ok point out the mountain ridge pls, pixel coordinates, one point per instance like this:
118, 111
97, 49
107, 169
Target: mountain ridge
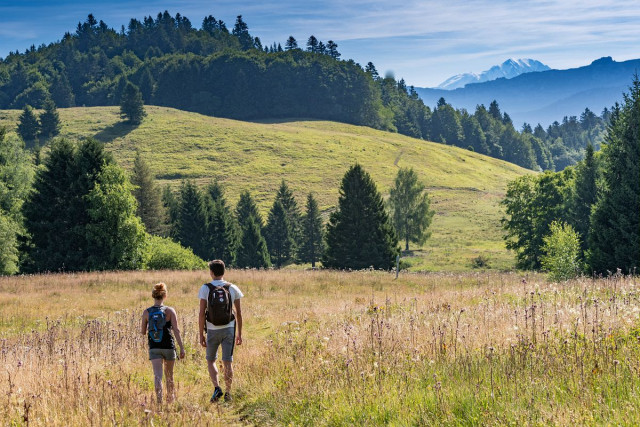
508, 69
538, 97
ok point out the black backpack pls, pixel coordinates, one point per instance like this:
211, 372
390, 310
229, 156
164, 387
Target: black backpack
219, 305
157, 321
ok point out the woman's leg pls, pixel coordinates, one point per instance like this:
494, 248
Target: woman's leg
157, 377
168, 372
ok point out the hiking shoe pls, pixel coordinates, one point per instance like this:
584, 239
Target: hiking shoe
217, 394
227, 397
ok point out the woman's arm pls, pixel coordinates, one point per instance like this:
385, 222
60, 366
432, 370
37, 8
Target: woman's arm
145, 321
176, 330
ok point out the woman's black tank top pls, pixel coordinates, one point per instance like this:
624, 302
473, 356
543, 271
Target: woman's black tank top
167, 338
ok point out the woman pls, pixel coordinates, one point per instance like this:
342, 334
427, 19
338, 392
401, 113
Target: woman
157, 323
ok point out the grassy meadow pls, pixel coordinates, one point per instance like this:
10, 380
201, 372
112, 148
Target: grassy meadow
329, 348
465, 187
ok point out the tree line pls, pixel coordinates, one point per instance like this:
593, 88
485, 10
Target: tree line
215, 71
78, 210
588, 216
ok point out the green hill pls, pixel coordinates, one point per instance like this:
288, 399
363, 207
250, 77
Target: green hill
465, 187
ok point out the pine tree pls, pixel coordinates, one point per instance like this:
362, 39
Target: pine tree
221, 227
359, 233
585, 195
332, 49
47, 211
80, 214
192, 219
49, 120
278, 235
28, 126
61, 91
131, 104
252, 251
241, 31
614, 238
290, 44
312, 245
409, 205
171, 206
292, 211
147, 195
312, 44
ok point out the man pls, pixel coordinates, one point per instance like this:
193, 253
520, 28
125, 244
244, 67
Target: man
224, 335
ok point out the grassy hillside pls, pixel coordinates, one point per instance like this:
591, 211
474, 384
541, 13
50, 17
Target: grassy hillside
465, 187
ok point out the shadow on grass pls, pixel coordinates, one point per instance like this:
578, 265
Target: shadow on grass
116, 130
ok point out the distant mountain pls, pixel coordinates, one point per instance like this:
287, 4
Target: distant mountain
546, 96
508, 69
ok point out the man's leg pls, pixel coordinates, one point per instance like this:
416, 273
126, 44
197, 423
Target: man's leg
213, 372
228, 375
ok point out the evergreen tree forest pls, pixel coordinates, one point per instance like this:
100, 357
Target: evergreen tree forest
224, 72
598, 199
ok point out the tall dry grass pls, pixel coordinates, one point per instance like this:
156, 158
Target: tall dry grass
329, 348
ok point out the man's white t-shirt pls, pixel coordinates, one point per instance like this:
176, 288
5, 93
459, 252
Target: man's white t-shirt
235, 292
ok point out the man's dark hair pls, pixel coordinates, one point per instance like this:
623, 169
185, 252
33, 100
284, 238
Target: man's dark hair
217, 267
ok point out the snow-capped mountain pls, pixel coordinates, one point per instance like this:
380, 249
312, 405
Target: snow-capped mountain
508, 69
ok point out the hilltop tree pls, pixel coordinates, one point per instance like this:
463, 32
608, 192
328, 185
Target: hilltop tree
241, 31
614, 239
371, 70
312, 245
291, 44
332, 50
28, 126
409, 205
252, 251
49, 120
359, 233
131, 104
312, 44
148, 196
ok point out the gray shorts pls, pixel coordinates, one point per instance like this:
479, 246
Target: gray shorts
221, 337
162, 353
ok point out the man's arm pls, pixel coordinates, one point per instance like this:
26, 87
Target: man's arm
236, 304
201, 322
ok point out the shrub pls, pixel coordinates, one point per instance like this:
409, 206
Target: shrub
561, 252
481, 261
165, 254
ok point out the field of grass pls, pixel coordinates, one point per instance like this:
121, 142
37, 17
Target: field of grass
466, 187
329, 348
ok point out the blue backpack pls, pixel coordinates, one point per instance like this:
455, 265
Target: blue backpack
157, 321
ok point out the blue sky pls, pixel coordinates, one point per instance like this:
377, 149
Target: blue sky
423, 42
